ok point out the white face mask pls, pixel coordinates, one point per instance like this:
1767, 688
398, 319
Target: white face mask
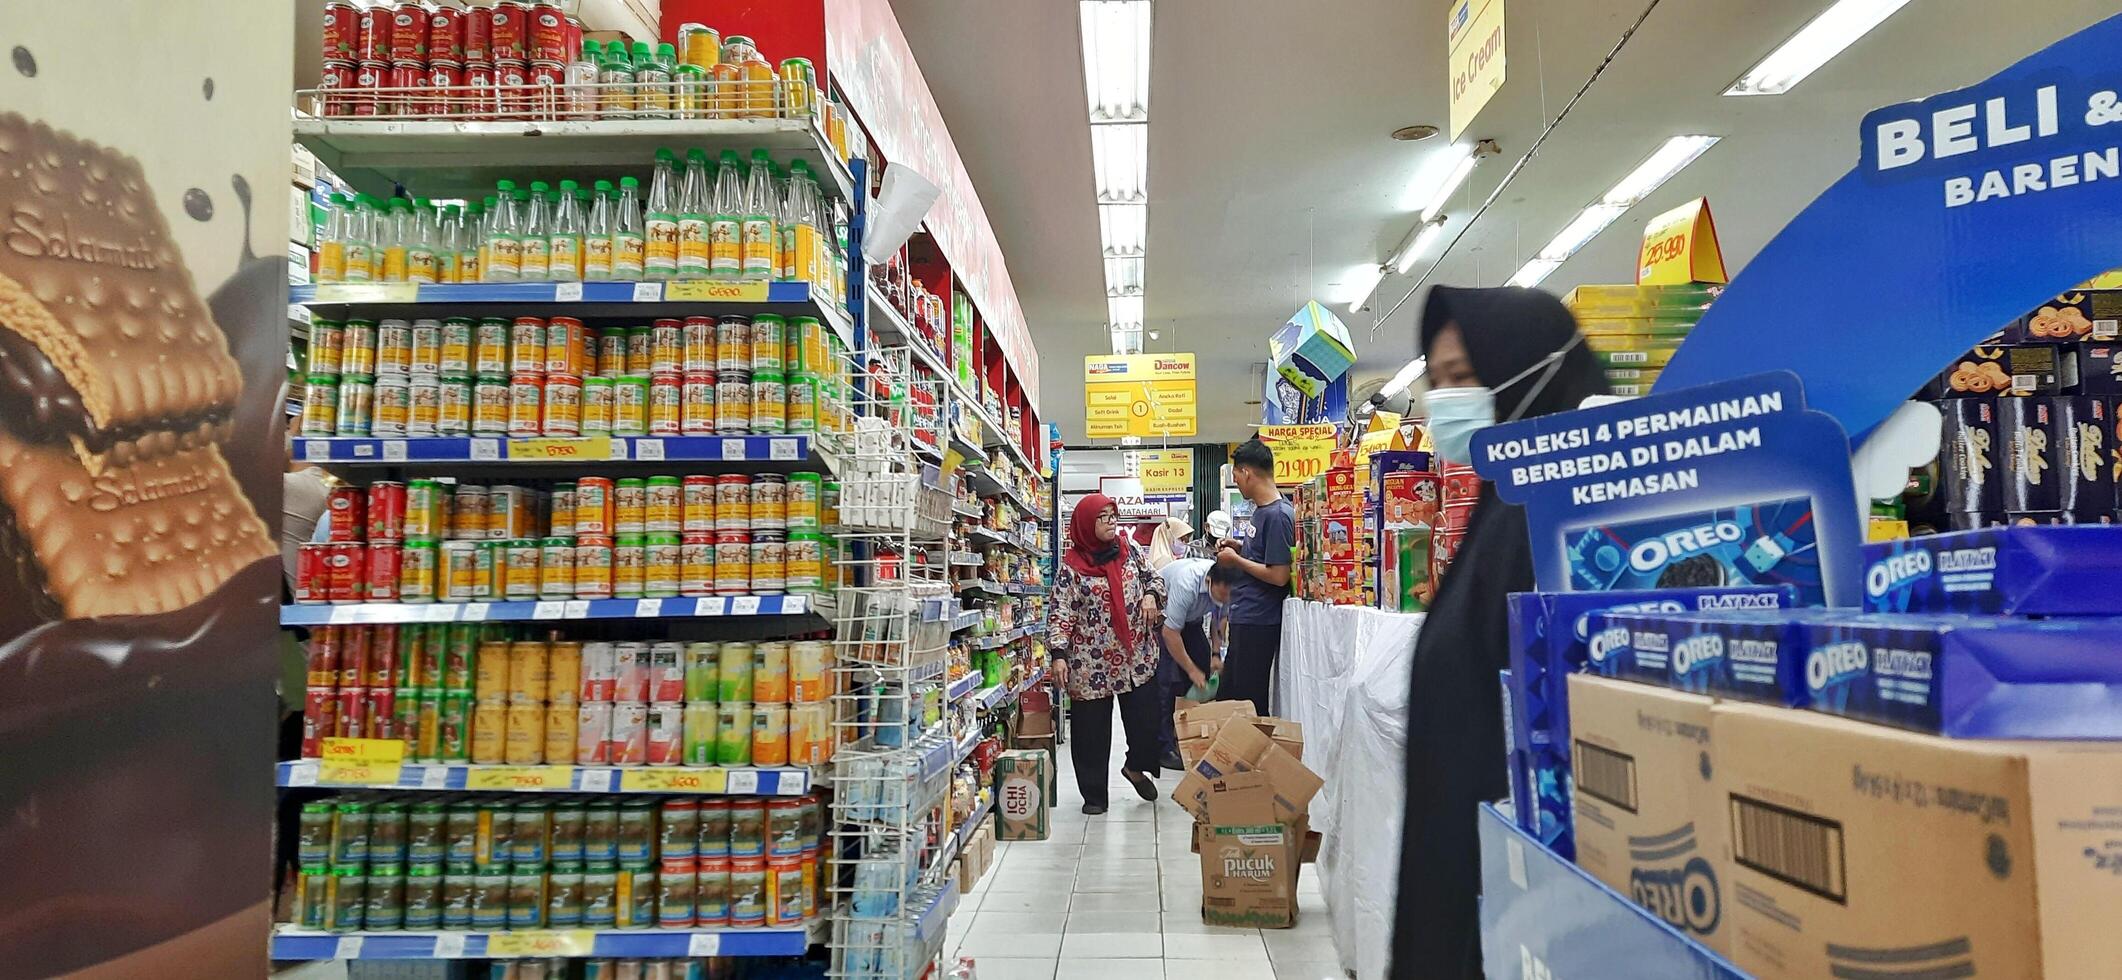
1455, 414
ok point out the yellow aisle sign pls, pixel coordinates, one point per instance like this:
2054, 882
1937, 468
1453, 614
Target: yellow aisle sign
1301, 451
1473, 42
1138, 395
1680, 246
1165, 470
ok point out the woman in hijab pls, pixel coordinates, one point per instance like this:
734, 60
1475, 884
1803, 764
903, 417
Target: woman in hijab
1495, 355
1169, 543
1102, 628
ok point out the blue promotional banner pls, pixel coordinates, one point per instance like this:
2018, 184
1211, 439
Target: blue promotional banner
1965, 211
1736, 483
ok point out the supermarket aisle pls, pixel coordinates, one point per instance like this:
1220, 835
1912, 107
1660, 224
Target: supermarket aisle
1118, 897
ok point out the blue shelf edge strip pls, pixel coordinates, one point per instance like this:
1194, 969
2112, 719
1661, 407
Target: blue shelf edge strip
496, 448
658, 943
606, 291
452, 776
963, 686
542, 610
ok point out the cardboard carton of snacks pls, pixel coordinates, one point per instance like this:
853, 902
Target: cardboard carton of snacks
1023, 797
1205, 720
1242, 748
1643, 761
1855, 847
1249, 858
2019, 571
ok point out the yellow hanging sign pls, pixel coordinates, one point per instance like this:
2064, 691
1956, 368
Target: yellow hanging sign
1680, 246
1165, 470
1138, 395
1473, 44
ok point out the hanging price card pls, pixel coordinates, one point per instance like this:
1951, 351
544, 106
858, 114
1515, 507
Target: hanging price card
360, 761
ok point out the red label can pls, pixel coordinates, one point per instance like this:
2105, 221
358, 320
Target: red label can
383, 653
548, 34
445, 83
323, 656
353, 656
368, 79
342, 30
332, 85
409, 32
312, 573
512, 81
402, 89
386, 511
445, 34
375, 40
346, 568
347, 507
478, 35
320, 719
352, 716
509, 37
383, 566
480, 100
546, 80
380, 704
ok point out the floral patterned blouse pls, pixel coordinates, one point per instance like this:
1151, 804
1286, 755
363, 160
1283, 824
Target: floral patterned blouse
1080, 629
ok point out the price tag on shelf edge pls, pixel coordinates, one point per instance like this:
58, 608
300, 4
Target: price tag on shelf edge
596, 780
781, 449
648, 292
567, 292
575, 609
449, 945
543, 942
648, 449
434, 777
394, 450
316, 451
733, 449
475, 612
486, 450
548, 609
439, 613
349, 948
704, 944
648, 608
302, 773
743, 781
744, 605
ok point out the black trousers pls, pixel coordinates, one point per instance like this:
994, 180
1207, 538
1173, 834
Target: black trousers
1172, 680
1249, 667
1090, 741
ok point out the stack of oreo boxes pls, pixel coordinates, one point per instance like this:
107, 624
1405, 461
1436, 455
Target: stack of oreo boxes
1927, 786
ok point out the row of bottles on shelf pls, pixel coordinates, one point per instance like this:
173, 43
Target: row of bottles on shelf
743, 222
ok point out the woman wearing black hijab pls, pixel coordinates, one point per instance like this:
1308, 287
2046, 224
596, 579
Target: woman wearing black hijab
1517, 351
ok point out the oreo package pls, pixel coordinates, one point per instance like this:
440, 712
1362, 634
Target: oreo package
2019, 571
1740, 655
1768, 543
1968, 677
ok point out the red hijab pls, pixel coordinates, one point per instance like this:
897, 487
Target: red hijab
1091, 558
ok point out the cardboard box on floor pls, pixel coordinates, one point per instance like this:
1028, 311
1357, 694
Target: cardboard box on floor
1241, 745
1023, 794
1858, 849
1645, 812
1249, 857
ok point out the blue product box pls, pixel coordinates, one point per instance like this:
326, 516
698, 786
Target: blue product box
1548, 640
2019, 571
1742, 656
1768, 543
1966, 677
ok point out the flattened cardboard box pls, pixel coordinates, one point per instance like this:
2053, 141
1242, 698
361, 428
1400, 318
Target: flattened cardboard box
1023, 794
1857, 849
1643, 806
1245, 748
1205, 720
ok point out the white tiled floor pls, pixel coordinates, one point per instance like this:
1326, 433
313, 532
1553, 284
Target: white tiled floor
1118, 897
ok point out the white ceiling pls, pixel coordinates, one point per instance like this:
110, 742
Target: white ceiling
1272, 177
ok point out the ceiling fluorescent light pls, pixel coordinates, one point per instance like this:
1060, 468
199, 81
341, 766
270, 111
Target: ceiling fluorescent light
1583, 228
1406, 378
1123, 277
1124, 311
1123, 229
1534, 271
1669, 159
1417, 243
1442, 179
1837, 27
1116, 59
1119, 156
1360, 283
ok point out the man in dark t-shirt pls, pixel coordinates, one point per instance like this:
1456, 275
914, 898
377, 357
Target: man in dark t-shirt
1256, 598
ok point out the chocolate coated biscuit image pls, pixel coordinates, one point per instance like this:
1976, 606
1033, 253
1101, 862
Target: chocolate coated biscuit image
150, 537
106, 344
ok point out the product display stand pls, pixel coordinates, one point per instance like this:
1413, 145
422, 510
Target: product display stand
897, 753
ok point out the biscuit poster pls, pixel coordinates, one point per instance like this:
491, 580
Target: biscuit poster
144, 175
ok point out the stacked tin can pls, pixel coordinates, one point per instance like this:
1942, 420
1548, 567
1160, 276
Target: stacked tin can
412, 682
553, 377
704, 703
378, 863
444, 59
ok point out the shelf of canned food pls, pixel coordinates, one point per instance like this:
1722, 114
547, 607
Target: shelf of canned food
605, 298
371, 613
766, 451
458, 776
388, 876
308, 944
